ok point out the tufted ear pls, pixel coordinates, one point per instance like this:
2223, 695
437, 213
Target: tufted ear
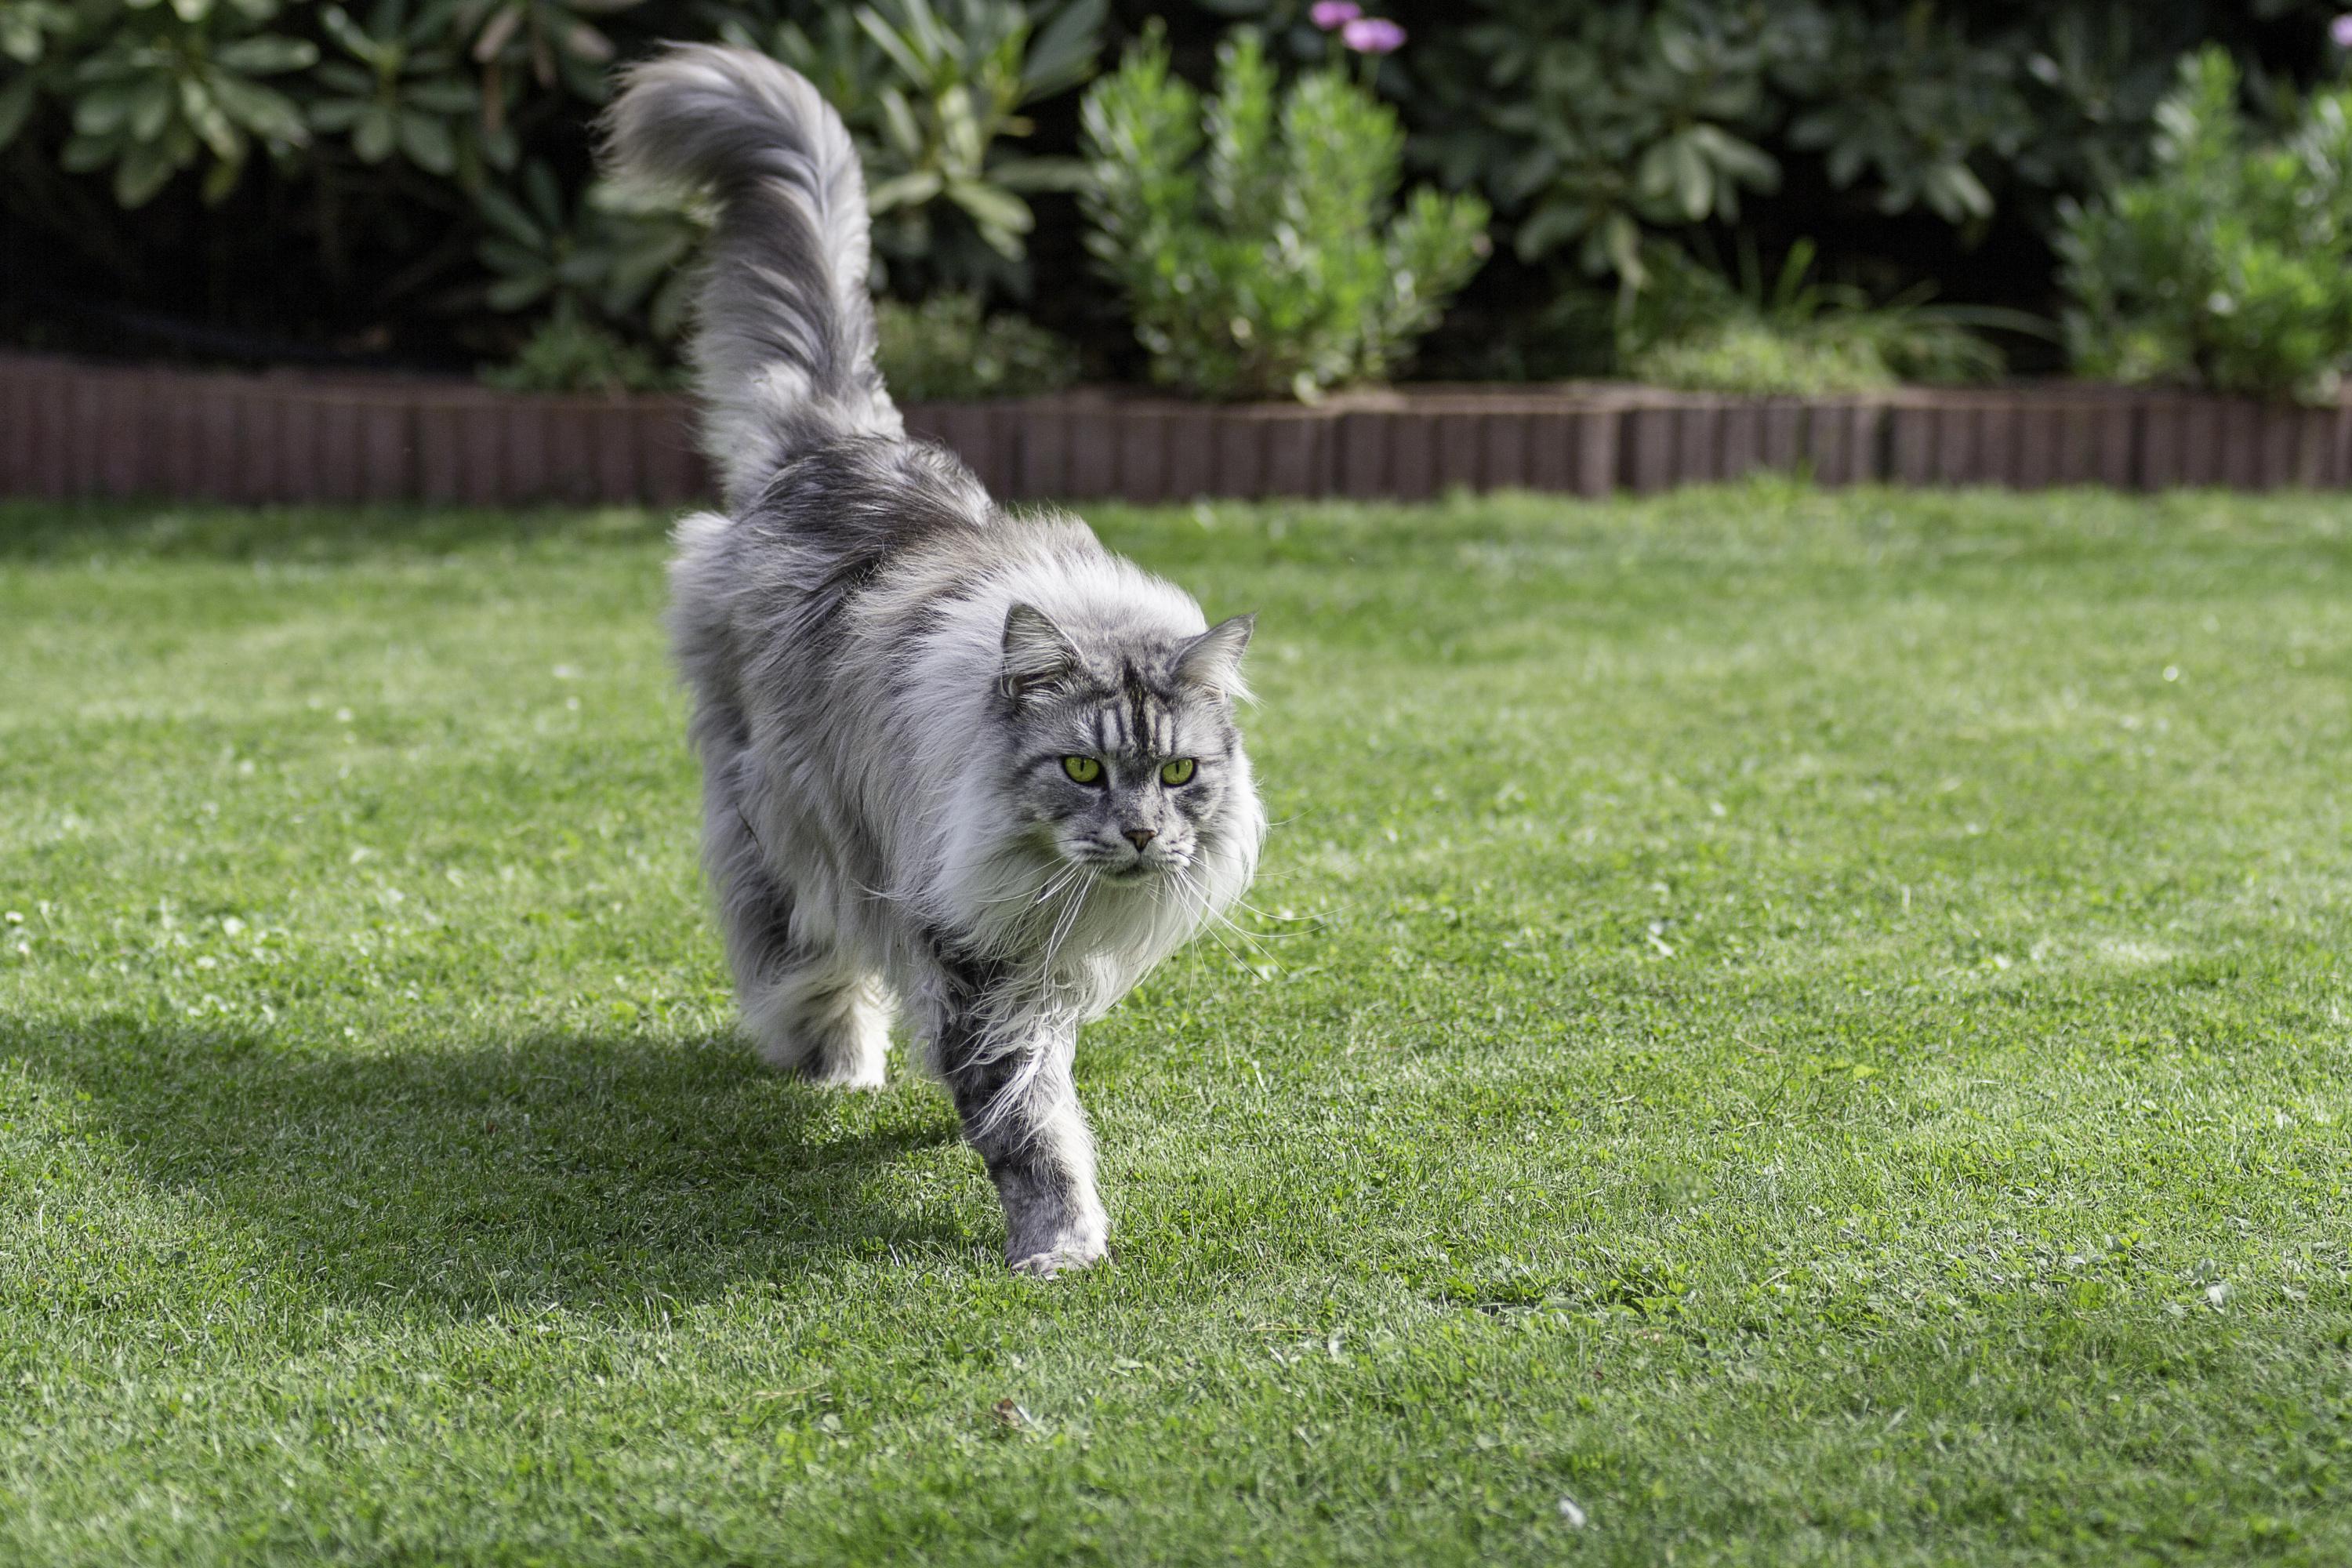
1036, 654
1214, 659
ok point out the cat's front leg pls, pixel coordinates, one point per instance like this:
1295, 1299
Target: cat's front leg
1012, 1086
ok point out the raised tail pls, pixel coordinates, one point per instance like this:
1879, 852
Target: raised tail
783, 339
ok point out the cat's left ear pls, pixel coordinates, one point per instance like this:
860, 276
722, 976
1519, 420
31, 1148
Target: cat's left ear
1214, 659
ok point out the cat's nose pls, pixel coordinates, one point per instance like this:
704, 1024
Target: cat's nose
1138, 837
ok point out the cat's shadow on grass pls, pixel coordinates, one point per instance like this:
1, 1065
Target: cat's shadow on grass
573, 1170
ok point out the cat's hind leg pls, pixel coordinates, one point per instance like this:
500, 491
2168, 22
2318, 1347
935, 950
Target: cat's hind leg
818, 1019
808, 1010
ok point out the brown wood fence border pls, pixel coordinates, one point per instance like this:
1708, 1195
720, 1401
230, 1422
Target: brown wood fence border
72, 429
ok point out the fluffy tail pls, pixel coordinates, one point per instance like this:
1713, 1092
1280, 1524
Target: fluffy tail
783, 342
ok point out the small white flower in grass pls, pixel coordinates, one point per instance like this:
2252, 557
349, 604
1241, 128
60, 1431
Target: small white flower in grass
2171, 672
1571, 1515
232, 925
342, 715
567, 672
13, 917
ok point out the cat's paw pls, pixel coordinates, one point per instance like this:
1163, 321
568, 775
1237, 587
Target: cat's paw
870, 1074
1066, 1255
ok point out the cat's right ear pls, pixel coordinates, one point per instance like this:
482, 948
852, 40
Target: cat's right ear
1036, 654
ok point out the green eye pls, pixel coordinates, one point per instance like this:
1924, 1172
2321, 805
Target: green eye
1178, 772
1085, 770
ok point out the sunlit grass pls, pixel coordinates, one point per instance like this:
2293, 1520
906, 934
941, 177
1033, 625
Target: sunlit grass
1811, 1028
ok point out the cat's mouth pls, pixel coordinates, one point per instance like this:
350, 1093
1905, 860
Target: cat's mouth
1111, 868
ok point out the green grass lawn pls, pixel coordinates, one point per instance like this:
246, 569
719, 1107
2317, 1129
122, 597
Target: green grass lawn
1815, 1028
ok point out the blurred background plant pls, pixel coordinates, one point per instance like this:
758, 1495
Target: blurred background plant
1934, 140
1704, 329
947, 349
569, 351
1260, 252
369, 180
2230, 266
164, 87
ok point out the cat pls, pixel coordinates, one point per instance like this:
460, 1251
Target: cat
953, 757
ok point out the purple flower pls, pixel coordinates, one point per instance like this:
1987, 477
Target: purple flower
2339, 29
1373, 36
1330, 14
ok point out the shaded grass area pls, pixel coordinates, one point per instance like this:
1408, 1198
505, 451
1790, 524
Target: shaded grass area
1812, 1027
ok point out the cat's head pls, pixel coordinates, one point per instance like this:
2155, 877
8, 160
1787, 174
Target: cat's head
1124, 752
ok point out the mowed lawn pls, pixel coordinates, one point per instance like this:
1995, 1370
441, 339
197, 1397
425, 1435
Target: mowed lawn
1775, 1027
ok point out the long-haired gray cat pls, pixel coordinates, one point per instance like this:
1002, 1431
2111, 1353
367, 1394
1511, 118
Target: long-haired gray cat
952, 756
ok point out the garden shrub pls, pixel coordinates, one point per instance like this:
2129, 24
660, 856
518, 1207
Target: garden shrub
568, 352
1696, 329
1759, 359
430, 162
309, 178
944, 349
2230, 265
1596, 129
1263, 257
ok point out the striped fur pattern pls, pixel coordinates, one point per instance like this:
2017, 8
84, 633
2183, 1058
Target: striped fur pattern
891, 676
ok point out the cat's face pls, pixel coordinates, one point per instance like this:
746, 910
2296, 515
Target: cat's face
1125, 757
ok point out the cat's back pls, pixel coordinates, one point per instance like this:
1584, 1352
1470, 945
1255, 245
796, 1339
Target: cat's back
870, 566
775, 581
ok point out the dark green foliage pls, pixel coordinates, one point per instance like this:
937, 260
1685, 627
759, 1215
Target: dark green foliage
397, 91
946, 350
1696, 328
1591, 127
1256, 248
158, 89
2231, 266
566, 353
429, 161
268, 178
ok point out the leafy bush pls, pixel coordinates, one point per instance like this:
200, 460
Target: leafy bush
944, 350
1598, 129
2231, 266
1755, 358
1700, 331
420, 159
157, 88
327, 177
1272, 266
567, 352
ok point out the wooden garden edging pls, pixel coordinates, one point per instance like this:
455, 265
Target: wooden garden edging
68, 429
